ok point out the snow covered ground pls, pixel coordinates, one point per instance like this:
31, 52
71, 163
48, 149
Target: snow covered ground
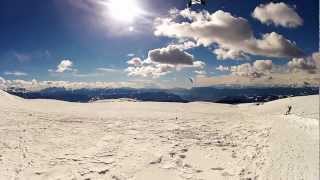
46, 139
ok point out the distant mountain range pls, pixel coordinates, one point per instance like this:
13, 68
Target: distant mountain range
229, 95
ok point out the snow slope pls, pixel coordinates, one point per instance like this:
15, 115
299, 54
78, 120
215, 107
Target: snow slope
46, 139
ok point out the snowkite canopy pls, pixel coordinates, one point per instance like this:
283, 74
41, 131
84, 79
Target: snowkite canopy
190, 79
192, 2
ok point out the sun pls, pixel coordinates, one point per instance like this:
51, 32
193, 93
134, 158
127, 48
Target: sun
124, 10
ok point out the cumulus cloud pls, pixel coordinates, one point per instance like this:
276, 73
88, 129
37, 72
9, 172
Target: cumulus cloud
136, 61
184, 45
263, 65
147, 68
246, 70
65, 65
233, 35
302, 64
256, 70
205, 28
277, 79
274, 45
279, 14
222, 68
162, 61
171, 55
298, 72
309, 64
223, 54
15, 73
150, 70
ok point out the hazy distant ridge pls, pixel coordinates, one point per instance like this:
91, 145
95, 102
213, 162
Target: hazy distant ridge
230, 95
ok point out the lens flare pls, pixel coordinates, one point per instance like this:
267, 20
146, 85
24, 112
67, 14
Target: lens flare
124, 10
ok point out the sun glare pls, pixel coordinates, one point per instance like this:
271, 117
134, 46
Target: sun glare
124, 10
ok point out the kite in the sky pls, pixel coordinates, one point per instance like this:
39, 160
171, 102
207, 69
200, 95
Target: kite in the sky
191, 80
192, 2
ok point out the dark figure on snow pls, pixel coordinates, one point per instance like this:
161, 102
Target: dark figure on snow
289, 110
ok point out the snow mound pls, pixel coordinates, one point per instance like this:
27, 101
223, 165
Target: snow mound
6, 97
49, 139
303, 106
4, 94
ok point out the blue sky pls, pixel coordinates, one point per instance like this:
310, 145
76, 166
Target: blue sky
36, 36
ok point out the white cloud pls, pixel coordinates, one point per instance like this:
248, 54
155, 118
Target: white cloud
136, 61
223, 68
184, 45
223, 54
15, 73
258, 69
274, 45
130, 55
232, 34
147, 68
171, 55
309, 64
35, 85
279, 14
245, 70
162, 61
205, 28
65, 65
263, 65
298, 72
150, 70
275, 79
298, 64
